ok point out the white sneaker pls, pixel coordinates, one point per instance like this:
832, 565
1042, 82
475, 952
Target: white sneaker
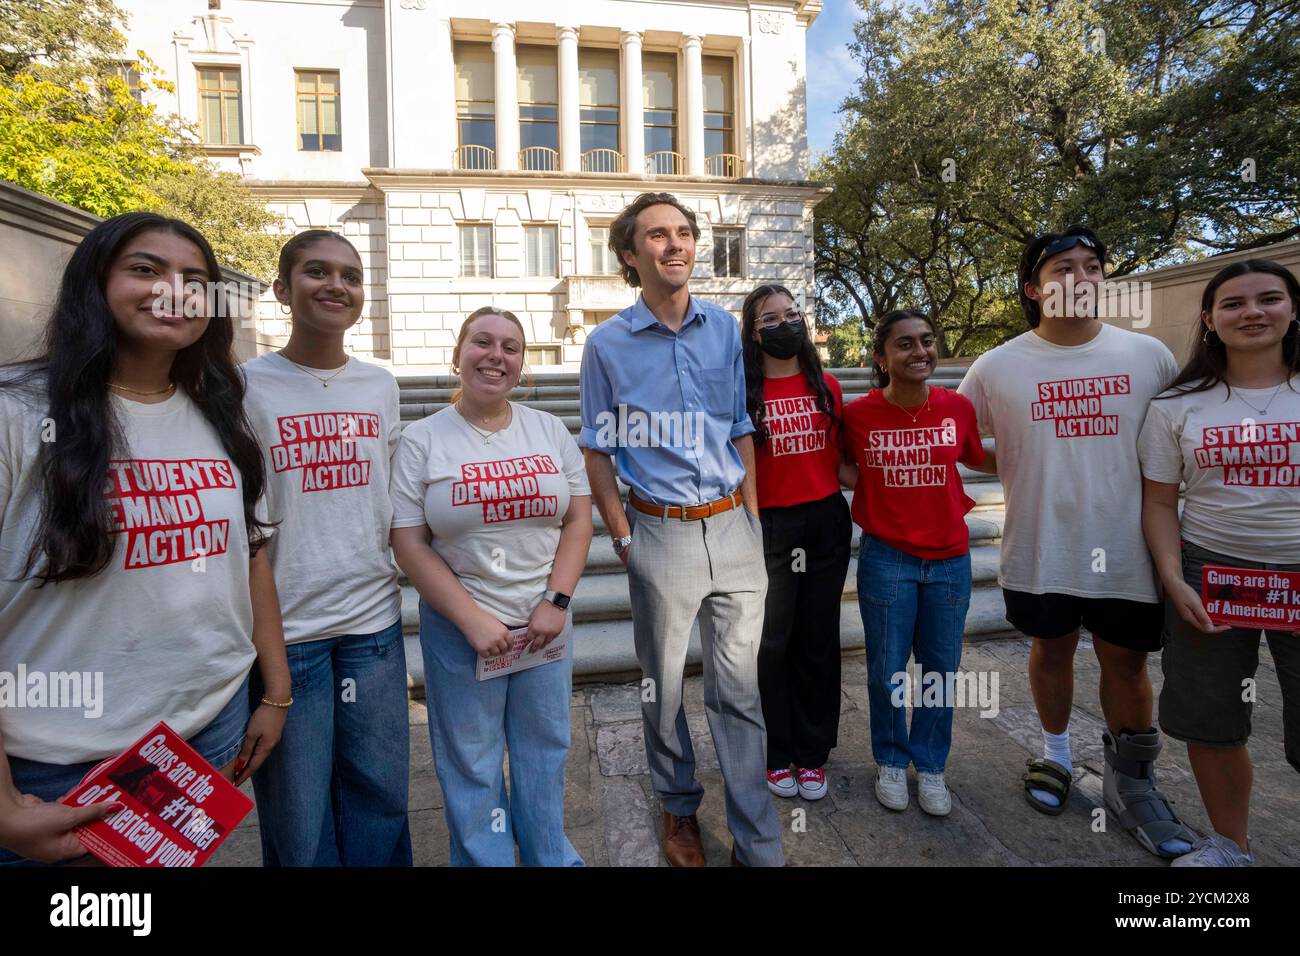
1216, 850
932, 794
812, 783
891, 787
781, 782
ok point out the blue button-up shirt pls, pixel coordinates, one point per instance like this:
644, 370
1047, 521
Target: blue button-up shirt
667, 404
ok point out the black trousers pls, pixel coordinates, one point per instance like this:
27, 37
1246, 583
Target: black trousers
807, 551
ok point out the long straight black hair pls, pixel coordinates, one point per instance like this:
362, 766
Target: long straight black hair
74, 537
1208, 364
810, 364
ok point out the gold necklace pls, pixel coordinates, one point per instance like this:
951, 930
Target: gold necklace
324, 382
925, 406
135, 391
486, 433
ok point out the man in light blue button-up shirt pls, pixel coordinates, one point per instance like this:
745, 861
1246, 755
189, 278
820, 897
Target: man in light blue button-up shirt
663, 400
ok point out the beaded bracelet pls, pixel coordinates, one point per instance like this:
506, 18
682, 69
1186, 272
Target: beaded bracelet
271, 703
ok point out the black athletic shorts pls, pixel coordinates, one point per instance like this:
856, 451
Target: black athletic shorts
1129, 624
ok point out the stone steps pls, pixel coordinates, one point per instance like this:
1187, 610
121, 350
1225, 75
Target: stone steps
603, 648
603, 651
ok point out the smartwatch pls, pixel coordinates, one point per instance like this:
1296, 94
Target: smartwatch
559, 600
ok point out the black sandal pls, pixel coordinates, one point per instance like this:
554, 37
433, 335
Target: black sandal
1050, 776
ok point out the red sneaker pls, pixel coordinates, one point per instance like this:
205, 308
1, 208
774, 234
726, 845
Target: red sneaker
812, 783
781, 782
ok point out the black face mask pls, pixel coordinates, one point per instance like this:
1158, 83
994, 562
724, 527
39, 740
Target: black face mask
782, 341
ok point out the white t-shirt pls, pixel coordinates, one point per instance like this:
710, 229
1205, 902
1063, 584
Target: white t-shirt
1066, 421
495, 508
167, 623
1242, 468
327, 452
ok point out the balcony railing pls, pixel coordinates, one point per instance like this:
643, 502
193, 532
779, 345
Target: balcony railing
728, 165
474, 157
602, 161
539, 159
664, 162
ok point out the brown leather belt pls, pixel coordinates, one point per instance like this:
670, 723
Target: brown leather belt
688, 512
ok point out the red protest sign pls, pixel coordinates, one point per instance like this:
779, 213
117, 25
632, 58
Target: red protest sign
1250, 598
177, 808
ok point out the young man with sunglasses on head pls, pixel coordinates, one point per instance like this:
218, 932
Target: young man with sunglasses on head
690, 538
1065, 402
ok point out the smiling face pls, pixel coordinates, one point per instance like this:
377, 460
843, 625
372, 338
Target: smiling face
491, 358
1251, 311
325, 291
663, 248
144, 317
911, 353
1076, 271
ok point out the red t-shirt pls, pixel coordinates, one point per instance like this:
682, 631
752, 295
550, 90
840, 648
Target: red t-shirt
909, 494
800, 460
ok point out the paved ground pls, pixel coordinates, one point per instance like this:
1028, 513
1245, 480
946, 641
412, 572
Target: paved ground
613, 817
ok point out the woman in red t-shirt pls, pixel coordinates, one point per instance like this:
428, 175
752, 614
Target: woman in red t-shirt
795, 408
914, 576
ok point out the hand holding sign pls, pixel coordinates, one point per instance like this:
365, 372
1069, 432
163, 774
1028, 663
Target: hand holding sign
1252, 598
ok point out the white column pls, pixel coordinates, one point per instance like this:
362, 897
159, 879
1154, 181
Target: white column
633, 103
570, 127
507, 91
694, 125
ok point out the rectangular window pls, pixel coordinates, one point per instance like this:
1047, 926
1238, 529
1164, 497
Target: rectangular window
603, 262
318, 110
129, 74
719, 113
539, 108
659, 79
476, 106
728, 254
476, 251
539, 251
598, 99
542, 355
219, 94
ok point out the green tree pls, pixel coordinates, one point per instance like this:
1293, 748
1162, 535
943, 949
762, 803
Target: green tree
71, 130
977, 123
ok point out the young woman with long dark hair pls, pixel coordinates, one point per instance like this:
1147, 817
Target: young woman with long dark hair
914, 572
131, 527
1229, 428
795, 407
335, 790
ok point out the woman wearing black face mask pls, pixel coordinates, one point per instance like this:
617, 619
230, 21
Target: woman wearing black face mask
796, 409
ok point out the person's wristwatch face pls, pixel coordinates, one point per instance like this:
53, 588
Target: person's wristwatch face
559, 600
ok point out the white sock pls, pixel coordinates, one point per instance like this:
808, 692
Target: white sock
1057, 747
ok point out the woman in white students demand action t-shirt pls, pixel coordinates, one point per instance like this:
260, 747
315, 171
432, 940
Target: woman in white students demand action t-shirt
334, 792
492, 522
1229, 428
130, 487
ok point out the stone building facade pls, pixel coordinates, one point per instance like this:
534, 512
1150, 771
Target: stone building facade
476, 152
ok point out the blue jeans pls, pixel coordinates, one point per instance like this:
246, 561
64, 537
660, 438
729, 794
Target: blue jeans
471, 724
910, 605
334, 792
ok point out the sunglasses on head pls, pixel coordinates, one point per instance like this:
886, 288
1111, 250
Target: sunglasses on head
1058, 246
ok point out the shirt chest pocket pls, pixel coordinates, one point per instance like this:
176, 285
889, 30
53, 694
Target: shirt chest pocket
717, 390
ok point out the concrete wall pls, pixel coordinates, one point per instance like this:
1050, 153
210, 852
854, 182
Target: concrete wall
37, 237
1176, 293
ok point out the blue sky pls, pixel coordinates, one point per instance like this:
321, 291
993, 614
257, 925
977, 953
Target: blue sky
831, 70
